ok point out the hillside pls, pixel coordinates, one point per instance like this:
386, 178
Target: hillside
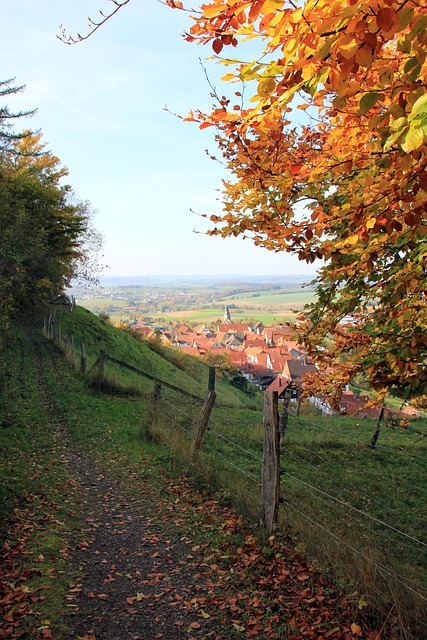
185, 372
92, 492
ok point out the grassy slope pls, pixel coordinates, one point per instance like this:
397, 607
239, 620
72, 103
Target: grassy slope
320, 452
190, 375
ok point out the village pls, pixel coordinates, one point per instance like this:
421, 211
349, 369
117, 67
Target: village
269, 357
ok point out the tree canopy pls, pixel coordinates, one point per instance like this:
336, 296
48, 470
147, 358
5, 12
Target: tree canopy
347, 186
46, 235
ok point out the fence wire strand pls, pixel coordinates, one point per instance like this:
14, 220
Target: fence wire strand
380, 567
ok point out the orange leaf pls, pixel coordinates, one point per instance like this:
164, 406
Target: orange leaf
217, 46
356, 629
255, 10
387, 19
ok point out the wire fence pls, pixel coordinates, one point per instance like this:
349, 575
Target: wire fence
361, 509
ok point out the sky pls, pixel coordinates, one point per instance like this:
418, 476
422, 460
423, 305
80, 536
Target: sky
101, 108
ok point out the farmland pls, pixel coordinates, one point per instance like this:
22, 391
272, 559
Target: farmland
269, 300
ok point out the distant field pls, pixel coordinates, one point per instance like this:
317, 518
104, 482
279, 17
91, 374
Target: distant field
210, 315
286, 299
102, 303
269, 307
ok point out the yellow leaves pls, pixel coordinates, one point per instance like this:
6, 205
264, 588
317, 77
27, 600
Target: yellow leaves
419, 108
308, 71
348, 46
229, 77
414, 139
352, 240
212, 10
266, 86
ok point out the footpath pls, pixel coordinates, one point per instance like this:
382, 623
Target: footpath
146, 557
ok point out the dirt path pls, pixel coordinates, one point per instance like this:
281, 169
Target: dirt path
151, 558
136, 574
136, 579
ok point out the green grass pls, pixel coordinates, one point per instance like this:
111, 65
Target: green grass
37, 506
266, 316
359, 509
171, 366
268, 307
325, 460
288, 299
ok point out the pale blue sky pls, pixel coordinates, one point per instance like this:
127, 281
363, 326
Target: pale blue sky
100, 107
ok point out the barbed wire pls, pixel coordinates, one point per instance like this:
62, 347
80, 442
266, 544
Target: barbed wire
230, 463
358, 440
380, 567
352, 488
236, 446
349, 506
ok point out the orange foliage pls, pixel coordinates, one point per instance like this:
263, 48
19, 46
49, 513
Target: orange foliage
349, 187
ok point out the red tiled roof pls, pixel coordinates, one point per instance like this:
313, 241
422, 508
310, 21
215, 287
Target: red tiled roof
279, 384
234, 327
191, 351
144, 330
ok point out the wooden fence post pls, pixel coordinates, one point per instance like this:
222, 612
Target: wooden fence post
205, 415
284, 416
270, 476
376, 433
203, 423
211, 382
83, 359
157, 392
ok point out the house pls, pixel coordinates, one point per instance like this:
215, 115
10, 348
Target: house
233, 341
257, 374
253, 353
276, 335
191, 351
143, 330
235, 327
357, 406
410, 412
279, 384
294, 370
258, 328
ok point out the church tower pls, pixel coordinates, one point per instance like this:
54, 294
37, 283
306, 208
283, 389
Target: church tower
227, 318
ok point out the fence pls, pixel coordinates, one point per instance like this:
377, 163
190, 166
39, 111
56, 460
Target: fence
361, 509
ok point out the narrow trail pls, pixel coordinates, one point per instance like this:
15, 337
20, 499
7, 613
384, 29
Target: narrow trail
140, 555
135, 573
136, 578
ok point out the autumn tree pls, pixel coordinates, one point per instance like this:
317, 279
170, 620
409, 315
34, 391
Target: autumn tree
348, 186
43, 227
